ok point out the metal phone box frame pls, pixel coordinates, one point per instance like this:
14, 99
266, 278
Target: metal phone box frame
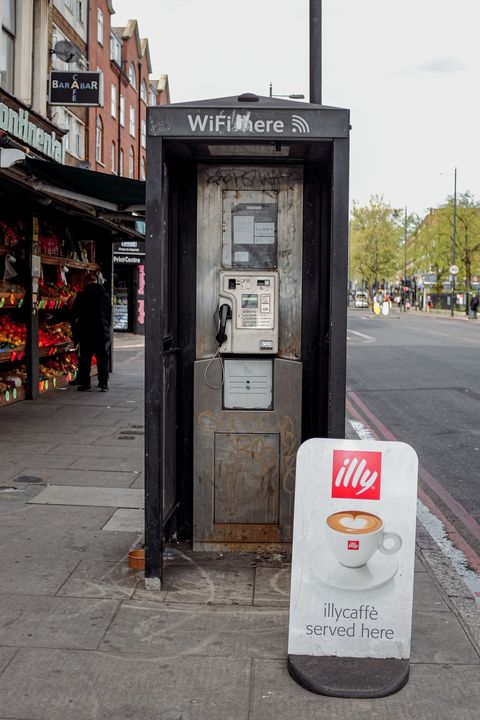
242, 184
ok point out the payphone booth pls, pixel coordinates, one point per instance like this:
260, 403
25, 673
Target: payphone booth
246, 287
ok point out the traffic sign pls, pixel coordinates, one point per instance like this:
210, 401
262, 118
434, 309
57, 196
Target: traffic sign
453, 270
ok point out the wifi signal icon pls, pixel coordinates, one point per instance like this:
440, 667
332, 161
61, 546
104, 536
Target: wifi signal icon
299, 124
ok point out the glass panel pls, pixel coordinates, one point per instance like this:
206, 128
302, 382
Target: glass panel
8, 15
6, 62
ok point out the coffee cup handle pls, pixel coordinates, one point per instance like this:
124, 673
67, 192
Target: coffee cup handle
397, 543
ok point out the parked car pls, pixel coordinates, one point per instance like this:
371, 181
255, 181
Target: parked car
361, 299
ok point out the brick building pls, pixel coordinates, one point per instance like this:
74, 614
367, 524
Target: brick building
110, 138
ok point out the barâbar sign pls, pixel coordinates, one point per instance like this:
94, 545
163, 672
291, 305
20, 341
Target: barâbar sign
83, 89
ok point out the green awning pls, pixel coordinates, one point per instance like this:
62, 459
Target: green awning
122, 193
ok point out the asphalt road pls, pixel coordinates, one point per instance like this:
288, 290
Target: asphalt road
416, 378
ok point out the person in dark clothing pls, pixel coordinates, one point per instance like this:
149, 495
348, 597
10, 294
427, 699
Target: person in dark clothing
474, 302
91, 319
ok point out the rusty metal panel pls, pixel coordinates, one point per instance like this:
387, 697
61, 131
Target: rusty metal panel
247, 473
210, 420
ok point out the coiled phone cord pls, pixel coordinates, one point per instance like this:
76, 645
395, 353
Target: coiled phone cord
218, 357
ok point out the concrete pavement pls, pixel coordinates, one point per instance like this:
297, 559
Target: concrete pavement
81, 639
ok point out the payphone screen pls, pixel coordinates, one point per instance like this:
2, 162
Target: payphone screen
250, 301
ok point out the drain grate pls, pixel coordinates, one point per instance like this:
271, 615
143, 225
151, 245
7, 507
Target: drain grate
30, 479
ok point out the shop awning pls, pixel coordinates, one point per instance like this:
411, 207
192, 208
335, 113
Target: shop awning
111, 192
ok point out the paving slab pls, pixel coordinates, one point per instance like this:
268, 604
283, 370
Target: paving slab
106, 463
101, 450
438, 637
6, 655
96, 478
124, 520
203, 584
101, 579
272, 586
426, 595
73, 685
433, 692
52, 459
90, 496
55, 622
202, 630
36, 575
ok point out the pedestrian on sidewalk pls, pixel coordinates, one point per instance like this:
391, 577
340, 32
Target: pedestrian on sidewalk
474, 302
91, 319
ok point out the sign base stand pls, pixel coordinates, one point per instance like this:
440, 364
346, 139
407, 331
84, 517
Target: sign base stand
349, 677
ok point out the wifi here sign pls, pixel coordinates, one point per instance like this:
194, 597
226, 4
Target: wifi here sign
246, 122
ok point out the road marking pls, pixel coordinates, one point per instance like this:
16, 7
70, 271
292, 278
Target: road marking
367, 337
465, 555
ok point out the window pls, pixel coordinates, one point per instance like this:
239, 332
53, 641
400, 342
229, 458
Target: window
112, 157
132, 121
144, 134
131, 75
113, 101
99, 140
115, 49
7, 44
143, 91
143, 171
152, 98
122, 110
79, 10
131, 162
57, 64
100, 26
74, 140
120, 167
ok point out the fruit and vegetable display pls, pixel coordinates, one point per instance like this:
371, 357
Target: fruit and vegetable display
56, 295
13, 334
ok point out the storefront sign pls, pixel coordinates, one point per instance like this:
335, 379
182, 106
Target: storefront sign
127, 259
22, 125
82, 89
353, 550
141, 298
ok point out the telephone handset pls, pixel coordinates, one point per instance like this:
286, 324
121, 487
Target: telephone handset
248, 312
224, 314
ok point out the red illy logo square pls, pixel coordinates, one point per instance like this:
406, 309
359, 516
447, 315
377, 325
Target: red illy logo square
353, 545
356, 475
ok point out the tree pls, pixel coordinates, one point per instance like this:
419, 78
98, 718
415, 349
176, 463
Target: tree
374, 242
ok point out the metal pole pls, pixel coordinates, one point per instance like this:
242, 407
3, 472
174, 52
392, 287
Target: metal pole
454, 237
316, 51
405, 262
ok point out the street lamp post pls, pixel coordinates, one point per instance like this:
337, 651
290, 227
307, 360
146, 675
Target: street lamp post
405, 262
454, 238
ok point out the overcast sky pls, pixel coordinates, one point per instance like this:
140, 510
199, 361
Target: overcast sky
409, 72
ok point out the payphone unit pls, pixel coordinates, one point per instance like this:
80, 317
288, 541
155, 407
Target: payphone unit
248, 313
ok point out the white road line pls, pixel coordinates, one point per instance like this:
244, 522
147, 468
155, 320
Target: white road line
367, 337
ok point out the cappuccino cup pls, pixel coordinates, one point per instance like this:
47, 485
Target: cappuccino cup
355, 535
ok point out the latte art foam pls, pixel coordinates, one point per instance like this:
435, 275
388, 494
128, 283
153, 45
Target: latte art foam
354, 523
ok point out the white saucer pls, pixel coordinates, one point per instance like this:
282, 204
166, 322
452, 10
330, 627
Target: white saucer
378, 571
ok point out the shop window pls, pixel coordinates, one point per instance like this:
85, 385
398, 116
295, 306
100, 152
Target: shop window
114, 101
143, 91
100, 26
121, 163
131, 162
115, 49
122, 110
131, 75
144, 134
7, 45
99, 140
143, 170
112, 157
132, 121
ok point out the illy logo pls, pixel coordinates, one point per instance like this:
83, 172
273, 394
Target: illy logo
353, 545
356, 475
